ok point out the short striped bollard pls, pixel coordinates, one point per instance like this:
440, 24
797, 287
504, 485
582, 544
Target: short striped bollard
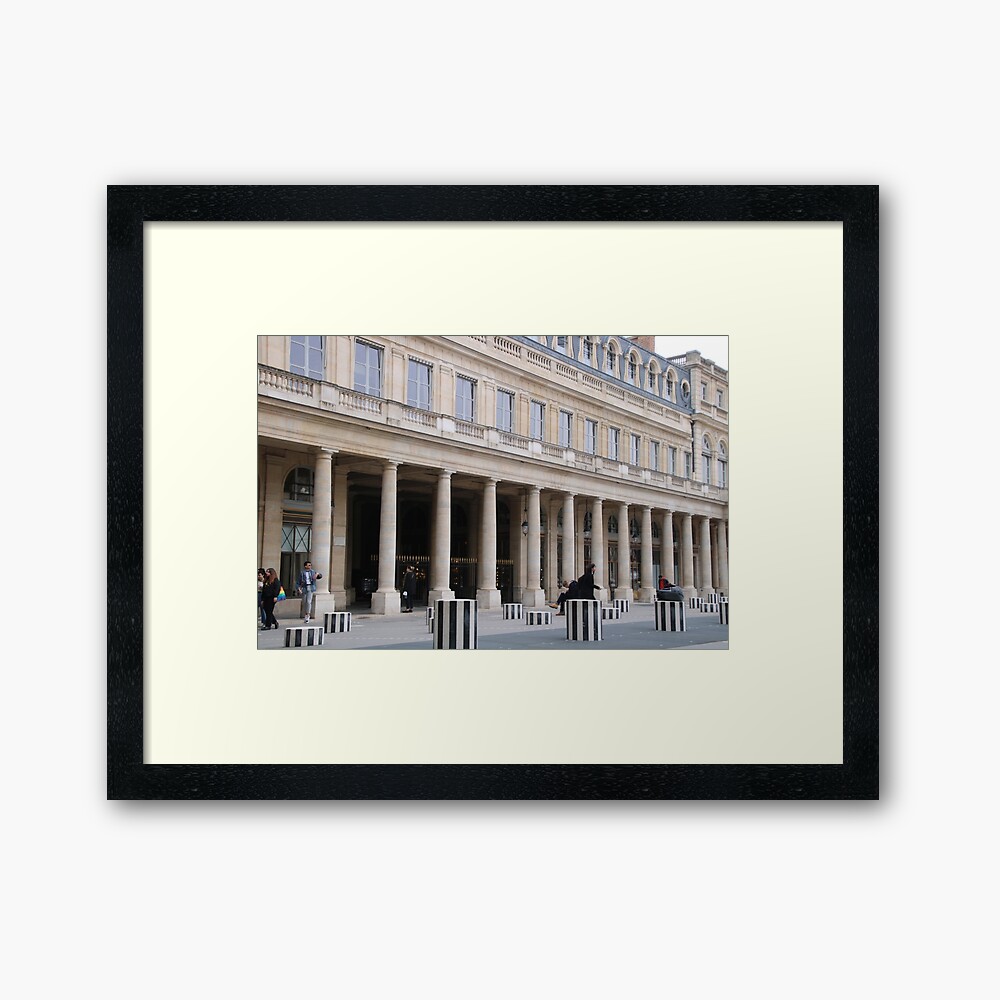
456, 625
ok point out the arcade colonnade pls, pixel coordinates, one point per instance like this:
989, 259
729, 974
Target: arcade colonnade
696, 544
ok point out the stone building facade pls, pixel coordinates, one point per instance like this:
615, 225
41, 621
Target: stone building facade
498, 466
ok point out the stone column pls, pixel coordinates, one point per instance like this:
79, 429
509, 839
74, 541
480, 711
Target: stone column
487, 595
647, 585
578, 528
705, 557
687, 557
338, 560
321, 528
385, 600
667, 547
723, 550
569, 569
597, 547
534, 596
624, 589
713, 534
270, 548
551, 582
440, 589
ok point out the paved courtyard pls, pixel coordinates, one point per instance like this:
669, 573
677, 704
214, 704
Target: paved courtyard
634, 630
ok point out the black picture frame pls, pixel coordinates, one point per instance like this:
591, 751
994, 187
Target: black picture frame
129, 207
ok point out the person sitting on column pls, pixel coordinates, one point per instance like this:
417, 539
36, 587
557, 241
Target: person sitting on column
409, 585
587, 585
307, 588
572, 594
558, 603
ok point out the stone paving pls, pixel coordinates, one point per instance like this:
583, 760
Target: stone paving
635, 630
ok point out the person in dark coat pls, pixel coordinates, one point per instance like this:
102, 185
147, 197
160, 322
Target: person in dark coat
586, 585
268, 597
572, 594
409, 585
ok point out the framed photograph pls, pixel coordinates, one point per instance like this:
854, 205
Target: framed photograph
502, 457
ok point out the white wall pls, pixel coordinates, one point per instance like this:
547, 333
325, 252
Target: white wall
502, 900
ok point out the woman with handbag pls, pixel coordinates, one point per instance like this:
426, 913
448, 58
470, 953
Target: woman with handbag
268, 596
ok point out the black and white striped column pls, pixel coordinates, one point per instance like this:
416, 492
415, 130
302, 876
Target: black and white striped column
724, 613
611, 613
298, 636
430, 619
456, 625
669, 616
583, 621
623, 604
539, 617
512, 612
337, 621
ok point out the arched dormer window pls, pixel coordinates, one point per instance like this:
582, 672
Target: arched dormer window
633, 368
299, 485
610, 359
588, 355
561, 344
652, 374
668, 385
723, 466
706, 459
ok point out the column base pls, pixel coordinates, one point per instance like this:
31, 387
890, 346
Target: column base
690, 592
385, 602
341, 600
439, 595
534, 599
647, 595
322, 603
489, 600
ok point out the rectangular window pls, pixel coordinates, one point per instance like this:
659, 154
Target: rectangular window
613, 443
588, 351
306, 357
652, 381
722, 475
505, 410
718, 397
654, 455
687, 465
565, 429
670, 389
418, 385
367, 368
537, 420
609, 361
706, 468
561, 345
631, 370
465, 398
590, 437
704, 391
633, 450
672, 461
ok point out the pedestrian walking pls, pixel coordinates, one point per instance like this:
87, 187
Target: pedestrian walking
409, 585
261, 573
269, 595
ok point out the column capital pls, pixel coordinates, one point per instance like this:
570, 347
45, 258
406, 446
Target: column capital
322, 450
388, 464
533, 489
445, 473
569, 494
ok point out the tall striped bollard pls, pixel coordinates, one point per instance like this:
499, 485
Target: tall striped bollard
669, 616
456, 625
583, 621
724, 613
